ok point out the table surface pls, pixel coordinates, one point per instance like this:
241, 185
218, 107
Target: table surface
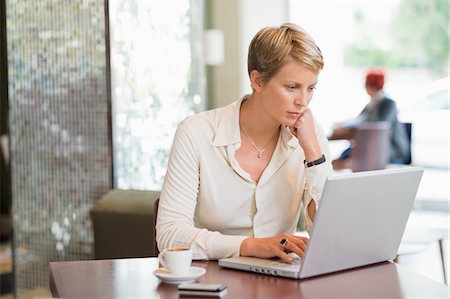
134, 278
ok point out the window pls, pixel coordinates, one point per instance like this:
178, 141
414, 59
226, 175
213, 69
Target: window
157, 80
357, 35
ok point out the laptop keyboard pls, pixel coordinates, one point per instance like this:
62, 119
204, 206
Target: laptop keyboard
297, 261
277, 262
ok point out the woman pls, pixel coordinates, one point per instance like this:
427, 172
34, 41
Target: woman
237, 175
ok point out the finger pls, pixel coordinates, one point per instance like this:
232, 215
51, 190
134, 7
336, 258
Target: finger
284, 256
302, 120
293, 130
304, 239
304, 114
296, 246
298, 243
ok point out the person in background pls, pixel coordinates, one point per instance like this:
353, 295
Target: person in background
379, 108
238, 175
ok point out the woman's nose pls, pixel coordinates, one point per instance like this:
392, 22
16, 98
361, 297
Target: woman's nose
301, 99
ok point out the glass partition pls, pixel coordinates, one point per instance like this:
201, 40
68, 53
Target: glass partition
60, 136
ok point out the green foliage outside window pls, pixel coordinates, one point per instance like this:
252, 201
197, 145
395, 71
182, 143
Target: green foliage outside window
418, 36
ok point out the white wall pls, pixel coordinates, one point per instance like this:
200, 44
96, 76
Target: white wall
254, 16
224, 79
240, 21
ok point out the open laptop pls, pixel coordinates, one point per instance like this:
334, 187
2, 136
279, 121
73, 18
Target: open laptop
360, 221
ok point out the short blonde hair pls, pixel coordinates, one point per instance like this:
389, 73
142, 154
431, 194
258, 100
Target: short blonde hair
271, 48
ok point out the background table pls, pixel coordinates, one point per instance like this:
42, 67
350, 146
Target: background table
133, 278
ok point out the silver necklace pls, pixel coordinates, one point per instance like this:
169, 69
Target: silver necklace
260, 151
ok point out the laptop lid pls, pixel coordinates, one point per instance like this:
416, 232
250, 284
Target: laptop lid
360, 221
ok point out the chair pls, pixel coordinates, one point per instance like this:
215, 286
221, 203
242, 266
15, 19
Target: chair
155, 211
408, 129
370, 147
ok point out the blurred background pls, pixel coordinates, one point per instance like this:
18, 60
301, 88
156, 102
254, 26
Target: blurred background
92, 91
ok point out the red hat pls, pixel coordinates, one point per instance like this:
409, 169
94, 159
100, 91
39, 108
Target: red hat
375, 79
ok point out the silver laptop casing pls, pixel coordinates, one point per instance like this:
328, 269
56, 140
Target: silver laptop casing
360, 221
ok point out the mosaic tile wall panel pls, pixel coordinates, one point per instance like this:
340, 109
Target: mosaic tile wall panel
60, 131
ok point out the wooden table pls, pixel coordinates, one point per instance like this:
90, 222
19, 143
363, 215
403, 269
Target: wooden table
133, 278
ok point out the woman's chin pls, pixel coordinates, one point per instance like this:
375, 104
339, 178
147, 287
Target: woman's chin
288, 123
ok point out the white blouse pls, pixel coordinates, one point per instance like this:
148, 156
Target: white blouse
209, 203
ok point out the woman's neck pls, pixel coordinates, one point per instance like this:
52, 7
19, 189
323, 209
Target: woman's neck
261, 127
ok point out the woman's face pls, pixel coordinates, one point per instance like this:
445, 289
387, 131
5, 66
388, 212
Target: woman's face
371, 91
285, 93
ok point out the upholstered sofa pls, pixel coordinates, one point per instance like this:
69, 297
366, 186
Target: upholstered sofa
124, 224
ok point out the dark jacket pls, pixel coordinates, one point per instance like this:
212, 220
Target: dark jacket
385, 109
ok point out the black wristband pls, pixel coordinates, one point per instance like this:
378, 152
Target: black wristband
316, 162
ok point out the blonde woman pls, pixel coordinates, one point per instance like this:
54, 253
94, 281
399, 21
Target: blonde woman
238, 175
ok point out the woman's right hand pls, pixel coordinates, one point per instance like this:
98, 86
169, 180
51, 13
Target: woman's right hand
271, 247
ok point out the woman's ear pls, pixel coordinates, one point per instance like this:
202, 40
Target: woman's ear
256, 80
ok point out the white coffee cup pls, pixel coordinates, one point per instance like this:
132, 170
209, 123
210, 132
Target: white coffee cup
177, 260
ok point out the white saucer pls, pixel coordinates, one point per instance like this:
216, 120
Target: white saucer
191, 276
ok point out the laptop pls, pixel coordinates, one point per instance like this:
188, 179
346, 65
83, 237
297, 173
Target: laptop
360, 221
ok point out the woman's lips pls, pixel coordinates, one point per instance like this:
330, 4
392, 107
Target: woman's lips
294, 114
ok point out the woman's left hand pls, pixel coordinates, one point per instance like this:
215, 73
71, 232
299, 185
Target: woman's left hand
303, 129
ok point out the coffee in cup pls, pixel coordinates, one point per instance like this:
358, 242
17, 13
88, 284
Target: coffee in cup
176, 259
